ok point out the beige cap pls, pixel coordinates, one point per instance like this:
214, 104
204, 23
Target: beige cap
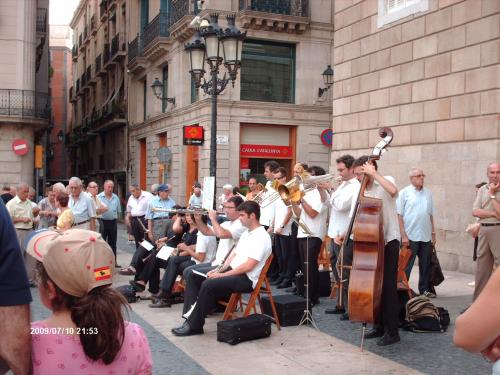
77, 260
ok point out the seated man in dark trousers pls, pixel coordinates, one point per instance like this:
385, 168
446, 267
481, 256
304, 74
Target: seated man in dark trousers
242, 270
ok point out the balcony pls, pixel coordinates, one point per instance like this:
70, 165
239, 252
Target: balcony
99, 67
156, 37
105, 54
41, 20
103, 5
137, 63
118, 50
93, 25
111, 115
24, 103
91, 78
74, 52
181, 14
290, 16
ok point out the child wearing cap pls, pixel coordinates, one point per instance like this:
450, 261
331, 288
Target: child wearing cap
86, 331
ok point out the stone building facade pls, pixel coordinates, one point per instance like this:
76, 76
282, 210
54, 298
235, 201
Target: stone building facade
272, 112
98, 138
24, 94
429, 69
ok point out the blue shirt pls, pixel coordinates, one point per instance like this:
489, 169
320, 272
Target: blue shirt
83, 209
14, 286
156, 202
114, 206
416, 208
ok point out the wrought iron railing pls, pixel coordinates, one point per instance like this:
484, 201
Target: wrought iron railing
134, 48
102, 8
180, 8
24, 103
116, 44
289, 7
41, 20
105, 53
158, 27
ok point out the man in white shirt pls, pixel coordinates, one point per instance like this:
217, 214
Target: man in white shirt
267, 214
229, 233
341, 202
312, 213
415, 208
384, 188
244, 266
82, 206
288, 261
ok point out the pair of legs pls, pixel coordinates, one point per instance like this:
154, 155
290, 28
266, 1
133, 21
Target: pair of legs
488, 254
342, 294
423, 251
288, 258
309, 249
109, 232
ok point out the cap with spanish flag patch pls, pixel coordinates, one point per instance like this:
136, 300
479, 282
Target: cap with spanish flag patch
76, 260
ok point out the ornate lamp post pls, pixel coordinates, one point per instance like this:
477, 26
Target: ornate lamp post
207, 46
327, 79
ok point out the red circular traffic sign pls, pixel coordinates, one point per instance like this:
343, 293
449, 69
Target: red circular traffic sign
327, 137
20, 147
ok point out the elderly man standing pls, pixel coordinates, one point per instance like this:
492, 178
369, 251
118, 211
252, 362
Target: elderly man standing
487, 210
109, 228
100, 207
21, 212
415, 208
48, 210
82, 206
157, 220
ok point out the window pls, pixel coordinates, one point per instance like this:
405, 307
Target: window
268, 72
144, 14
145, 99
393, 10
164, 81
194, 91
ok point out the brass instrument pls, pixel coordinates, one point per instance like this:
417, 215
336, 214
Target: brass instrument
185, 211
260, 195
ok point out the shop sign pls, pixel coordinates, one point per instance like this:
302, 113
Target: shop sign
193, 135
270, 151
327, 137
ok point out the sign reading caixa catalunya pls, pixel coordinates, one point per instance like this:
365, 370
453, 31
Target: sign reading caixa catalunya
247, 150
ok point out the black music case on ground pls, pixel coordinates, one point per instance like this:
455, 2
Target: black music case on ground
290, 308
252, 327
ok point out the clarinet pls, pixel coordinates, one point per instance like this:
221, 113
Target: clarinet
220, 268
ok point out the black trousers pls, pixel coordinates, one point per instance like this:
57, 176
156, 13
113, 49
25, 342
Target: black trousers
144, 264
335, 255
138, 233
423, 250
176, 266
212, 290
109, 231
193, 282
389, 320
309, 249
281, 246
148, 271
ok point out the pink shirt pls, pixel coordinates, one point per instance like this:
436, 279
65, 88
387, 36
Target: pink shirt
63, 354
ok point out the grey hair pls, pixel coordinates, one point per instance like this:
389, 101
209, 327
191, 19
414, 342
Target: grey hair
108, 181
58, 186
76, 180
413, 170
22, 185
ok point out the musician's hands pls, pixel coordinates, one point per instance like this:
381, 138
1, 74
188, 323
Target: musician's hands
369, 169
214, 275
197, 217
210, 272
212, 215
279, 230
324, 185
405, 240
339, 239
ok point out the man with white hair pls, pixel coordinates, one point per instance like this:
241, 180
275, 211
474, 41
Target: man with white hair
415, 208
227, 192
81, 205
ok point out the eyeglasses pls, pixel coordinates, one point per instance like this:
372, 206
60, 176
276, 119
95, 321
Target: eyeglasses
419, 175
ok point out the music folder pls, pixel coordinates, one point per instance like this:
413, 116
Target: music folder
145, 244
200, 273
165, 252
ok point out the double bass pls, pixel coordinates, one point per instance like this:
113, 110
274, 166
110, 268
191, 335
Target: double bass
366, 226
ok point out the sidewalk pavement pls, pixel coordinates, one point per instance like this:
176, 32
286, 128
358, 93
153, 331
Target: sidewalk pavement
303, 350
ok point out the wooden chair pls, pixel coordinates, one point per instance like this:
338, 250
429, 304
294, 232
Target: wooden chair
262, 287
404, 258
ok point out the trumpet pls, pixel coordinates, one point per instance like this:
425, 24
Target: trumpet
260, 195
185, 211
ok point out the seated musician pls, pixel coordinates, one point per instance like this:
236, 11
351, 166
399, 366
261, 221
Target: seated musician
188, 255
384, 188
242, 270
228, 232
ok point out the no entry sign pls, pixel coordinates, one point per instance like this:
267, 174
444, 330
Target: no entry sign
20, 147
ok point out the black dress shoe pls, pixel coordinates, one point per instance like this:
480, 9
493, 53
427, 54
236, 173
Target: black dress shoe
182, 326
186, 330
277, 281
336, 310
284, 284
344, 316
388, 340
137, 286
374, 332
291, 290
160, 302
313, 302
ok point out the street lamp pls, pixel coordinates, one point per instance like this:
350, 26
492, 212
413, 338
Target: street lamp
327, 79
157, 87
206, 46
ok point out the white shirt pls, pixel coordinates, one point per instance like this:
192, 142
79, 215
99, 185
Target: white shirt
267, 212
280, 212
226, 244
139, 206
316, 225
206, 245
341, 202
256, 245
389, 213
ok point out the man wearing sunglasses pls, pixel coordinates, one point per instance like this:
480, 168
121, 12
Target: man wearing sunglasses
415, 208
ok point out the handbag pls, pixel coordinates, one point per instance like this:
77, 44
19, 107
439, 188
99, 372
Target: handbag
436, 276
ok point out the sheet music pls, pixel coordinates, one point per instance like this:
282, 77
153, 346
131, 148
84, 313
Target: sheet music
200, 273
208, 193
145, 244
165, 252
